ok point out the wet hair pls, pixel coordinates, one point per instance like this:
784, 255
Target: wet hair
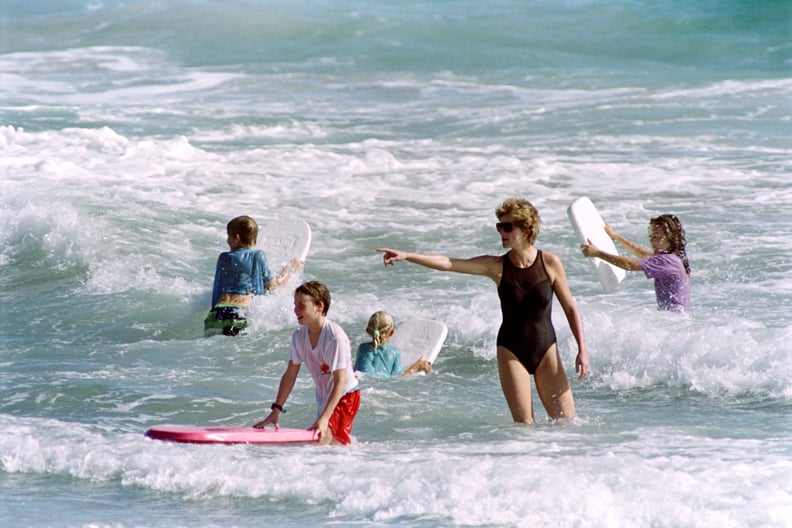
318, 293
379, 327
524, 215
246, 228
671, 228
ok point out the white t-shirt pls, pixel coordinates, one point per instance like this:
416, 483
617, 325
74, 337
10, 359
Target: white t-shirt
333, 352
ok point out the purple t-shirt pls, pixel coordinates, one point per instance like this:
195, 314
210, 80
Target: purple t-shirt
672, 283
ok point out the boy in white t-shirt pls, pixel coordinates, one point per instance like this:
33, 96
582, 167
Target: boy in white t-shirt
325, 349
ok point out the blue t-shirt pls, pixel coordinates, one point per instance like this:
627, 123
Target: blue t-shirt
242, 271
384, 361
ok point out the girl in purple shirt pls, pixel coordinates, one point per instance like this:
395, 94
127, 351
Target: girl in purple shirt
666, 262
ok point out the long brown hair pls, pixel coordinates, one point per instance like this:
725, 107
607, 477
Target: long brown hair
670, 226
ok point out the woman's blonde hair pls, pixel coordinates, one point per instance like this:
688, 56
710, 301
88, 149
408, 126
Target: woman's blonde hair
379, 328
524, 215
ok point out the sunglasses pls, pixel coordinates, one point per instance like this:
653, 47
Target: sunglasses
506, 227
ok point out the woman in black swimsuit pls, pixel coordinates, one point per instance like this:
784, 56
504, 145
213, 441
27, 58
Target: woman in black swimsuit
527, 279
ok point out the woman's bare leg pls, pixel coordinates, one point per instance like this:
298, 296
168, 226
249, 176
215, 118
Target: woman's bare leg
516, 384
553, 387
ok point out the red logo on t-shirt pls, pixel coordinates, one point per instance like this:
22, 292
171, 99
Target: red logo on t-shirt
325, 368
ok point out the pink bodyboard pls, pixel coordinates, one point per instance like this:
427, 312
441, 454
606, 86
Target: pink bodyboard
231, 435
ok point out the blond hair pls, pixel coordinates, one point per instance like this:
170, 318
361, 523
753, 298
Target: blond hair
524, 215
379, 328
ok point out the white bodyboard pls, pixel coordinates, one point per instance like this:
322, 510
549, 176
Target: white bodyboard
419, 337
283, 241
589, 226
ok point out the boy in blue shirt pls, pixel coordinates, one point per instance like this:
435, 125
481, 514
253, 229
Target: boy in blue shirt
240, 274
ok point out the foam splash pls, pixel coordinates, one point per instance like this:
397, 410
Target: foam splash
500, 481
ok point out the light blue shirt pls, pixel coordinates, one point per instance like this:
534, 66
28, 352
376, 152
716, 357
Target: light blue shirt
242, 271
384, 361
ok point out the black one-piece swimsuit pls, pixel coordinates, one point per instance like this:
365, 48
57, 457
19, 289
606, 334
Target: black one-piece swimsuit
526, 298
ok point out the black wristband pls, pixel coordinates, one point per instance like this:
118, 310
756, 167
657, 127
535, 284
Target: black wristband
278, 406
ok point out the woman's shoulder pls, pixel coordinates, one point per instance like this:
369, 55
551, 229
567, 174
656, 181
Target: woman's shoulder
492, 259
488, 265
550, 259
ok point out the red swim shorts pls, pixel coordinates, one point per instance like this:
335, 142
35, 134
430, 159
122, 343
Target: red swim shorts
343, 416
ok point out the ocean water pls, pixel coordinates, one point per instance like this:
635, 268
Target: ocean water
130, 132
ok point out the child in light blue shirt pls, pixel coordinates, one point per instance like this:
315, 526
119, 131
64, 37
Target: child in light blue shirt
379, 357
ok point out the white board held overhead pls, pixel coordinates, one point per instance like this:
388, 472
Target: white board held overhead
589, 225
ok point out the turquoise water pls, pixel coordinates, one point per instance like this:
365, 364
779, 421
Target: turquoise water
130, 132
